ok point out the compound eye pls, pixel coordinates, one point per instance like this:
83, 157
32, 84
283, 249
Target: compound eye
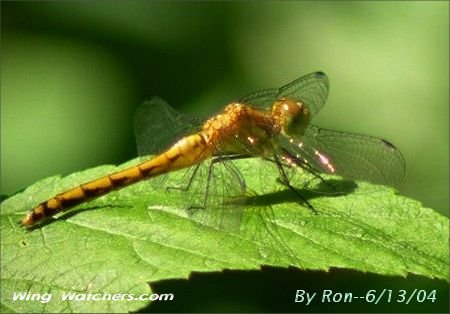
297, 117
291, 108
291, 117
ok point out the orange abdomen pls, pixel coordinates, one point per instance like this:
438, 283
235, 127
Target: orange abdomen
185, 153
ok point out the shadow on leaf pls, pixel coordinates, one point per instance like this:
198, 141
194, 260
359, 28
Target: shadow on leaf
69, 214
327, 188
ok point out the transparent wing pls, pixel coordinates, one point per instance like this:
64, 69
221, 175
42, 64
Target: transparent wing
262, 98
352, 156
311, 89
225, 190
157, 126
212, 193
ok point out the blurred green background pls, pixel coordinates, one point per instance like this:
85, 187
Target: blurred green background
72, 74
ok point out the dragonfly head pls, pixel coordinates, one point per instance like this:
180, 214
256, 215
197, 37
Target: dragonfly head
290, 117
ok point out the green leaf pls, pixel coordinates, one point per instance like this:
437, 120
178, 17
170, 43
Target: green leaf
118, 243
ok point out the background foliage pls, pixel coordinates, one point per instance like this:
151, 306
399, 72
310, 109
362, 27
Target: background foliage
74, 72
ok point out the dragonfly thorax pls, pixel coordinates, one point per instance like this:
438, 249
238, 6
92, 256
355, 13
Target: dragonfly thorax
240, 129
290, 117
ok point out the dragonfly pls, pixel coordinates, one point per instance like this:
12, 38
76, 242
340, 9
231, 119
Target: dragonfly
275, 125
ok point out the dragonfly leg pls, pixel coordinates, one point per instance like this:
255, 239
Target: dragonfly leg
285, 180
307, 167
188, 186
226, 158
193, 208
215, 160
222, 158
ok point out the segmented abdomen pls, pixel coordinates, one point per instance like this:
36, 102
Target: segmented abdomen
186, 152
